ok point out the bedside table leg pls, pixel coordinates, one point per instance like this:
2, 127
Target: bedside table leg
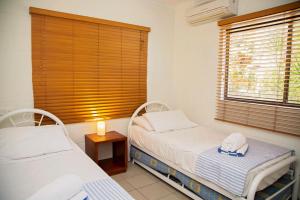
120, 153
91, 149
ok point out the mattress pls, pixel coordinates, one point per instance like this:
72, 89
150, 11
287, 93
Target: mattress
20, 179
181, 148
200, 189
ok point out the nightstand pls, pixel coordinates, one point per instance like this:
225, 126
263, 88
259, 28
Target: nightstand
116, 164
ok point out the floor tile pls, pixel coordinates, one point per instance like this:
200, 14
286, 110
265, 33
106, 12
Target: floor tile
119, 177
134, 170
181, 196
127, 186
142, 185
167, 186
136, 195
170, 197
155, 191
141, 180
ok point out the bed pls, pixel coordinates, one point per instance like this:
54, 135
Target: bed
172, 156
22, 178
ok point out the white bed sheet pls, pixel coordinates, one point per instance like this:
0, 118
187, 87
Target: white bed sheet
20, 179
181, 148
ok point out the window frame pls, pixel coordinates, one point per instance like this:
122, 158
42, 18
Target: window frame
285, 93
274, 116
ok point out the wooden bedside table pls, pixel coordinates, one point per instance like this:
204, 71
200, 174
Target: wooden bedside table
116, 164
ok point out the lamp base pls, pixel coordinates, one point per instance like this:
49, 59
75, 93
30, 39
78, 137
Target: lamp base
101, 133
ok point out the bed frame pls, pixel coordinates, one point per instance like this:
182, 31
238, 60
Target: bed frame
38, 117
28, 116
156, 106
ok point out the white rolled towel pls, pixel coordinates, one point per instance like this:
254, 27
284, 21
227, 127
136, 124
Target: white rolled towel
62, 188
233, 142
243, 149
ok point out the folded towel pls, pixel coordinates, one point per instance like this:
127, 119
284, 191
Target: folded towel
233, 142
82, 195
239, 153
243, 150
62, 188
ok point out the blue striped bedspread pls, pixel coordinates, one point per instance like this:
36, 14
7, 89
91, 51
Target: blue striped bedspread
231, 172
105, 189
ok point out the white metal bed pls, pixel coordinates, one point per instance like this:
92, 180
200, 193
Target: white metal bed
22, 178
26, 116
156, 106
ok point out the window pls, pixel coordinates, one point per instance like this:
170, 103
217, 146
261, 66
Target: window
85, 68
260, 66
259, 69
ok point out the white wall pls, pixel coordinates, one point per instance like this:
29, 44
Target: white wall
191, 85
15, 47
195, 73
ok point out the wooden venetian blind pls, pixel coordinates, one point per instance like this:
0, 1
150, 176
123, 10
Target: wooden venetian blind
85, 68
259, 69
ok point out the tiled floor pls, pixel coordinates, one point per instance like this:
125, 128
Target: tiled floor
142, 185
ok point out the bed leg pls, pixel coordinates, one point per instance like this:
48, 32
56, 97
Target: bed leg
296, 184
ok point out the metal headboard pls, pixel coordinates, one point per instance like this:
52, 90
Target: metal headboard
25, 116
151, 106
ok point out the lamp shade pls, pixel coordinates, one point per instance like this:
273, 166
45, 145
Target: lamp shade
101, 127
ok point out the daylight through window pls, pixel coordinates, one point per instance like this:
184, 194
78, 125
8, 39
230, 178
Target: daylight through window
259, 72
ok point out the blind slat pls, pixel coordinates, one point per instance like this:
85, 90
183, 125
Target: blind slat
82, 70
259, 72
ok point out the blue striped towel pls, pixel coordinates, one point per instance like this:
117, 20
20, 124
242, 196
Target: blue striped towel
105, 189
235, 153
231, 172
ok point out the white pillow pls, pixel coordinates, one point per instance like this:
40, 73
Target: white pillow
31, 141
142, 122
168, 120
